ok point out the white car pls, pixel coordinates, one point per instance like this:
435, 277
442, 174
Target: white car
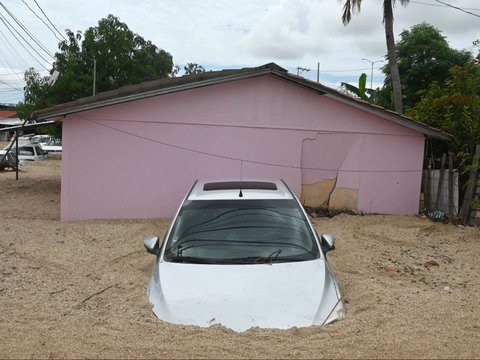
28, 152
22, 140
41, 139
243, 254
54, 146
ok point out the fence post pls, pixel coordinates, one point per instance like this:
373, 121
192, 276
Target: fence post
440, 182
428, 191
471, 185
450, 185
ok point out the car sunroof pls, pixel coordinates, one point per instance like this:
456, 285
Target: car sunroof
236, 185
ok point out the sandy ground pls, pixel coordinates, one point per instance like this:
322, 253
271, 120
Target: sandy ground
77, 289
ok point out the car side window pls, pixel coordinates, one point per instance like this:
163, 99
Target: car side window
26, 151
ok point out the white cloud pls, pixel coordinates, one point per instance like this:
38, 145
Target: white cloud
232, 33
283, 32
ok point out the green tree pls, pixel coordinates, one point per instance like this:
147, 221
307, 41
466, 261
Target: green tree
424, 56
33, 93
36, 93
351, 6
121, 58
193, 68
454, 107
175, 71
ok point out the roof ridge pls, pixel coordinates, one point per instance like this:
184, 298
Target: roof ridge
193, 81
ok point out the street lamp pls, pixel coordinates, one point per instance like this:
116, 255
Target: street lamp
371, 77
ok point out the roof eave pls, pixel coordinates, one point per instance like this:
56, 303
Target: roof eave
92, 102
370, 108
393, 117
133, 93
28, 126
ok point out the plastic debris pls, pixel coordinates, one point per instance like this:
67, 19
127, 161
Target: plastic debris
436, 215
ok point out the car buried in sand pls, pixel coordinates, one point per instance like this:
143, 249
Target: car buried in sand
243, 254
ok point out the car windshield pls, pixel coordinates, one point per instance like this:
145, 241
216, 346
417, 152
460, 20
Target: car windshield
241, 232
40, 150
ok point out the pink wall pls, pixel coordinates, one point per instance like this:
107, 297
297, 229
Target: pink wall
386, 169
135, 160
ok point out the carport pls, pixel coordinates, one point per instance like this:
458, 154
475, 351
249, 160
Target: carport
18, 129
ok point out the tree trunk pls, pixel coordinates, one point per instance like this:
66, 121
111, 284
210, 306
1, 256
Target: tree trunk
392, 56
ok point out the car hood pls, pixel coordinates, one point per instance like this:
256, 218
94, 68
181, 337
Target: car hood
279, 295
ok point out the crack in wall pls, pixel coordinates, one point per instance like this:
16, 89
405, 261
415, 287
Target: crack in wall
326, 194
331, 192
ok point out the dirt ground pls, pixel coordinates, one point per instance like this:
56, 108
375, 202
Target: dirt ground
77, 289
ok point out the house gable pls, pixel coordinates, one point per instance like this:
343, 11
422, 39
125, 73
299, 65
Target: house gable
262, 102
200, 81
138, 158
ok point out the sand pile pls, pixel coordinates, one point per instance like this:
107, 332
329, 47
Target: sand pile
77, 289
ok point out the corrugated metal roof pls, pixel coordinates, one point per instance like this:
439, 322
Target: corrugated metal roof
170, 85
10, 121
28, 126
7, 114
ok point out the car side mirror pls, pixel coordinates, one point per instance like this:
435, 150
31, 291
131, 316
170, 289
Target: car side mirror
151, 244
328, 242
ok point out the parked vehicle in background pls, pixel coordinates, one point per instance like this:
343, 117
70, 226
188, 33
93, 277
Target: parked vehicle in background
10, 161
29, 152
47, 143
41, 139
22, 140
53, 146
243, 254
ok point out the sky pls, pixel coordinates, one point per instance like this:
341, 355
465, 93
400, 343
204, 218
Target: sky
230, 34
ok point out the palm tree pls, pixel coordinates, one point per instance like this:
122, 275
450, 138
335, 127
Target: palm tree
351, 6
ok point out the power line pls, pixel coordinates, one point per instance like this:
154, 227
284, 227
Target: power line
235, 158
7, 65
7, 84
19, 23
351, 70
2, 19
8, 25
19, 59
43, 21
458, 8
13, 83
437, 5
423, 3
46, 17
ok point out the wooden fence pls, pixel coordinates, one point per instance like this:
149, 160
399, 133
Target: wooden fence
469, 213
440, 189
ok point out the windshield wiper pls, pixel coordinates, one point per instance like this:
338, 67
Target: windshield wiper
257, 259
269, 259
192, 260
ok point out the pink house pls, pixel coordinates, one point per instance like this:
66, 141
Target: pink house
134, 152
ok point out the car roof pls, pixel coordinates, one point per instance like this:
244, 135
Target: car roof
229, 189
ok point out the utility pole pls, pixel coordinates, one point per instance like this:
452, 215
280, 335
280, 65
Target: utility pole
371, 77
318, 72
